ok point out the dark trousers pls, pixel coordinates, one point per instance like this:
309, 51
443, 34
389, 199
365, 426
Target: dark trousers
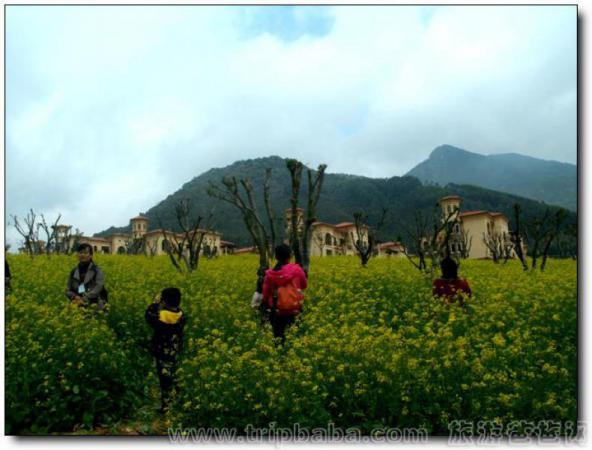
279, 324
166, 376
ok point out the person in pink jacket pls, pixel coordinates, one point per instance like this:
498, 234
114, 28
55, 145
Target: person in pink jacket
282, 291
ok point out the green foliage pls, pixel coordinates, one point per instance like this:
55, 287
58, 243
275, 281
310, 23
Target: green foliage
342, 195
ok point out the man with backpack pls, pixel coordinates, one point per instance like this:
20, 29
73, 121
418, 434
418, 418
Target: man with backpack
86, 283
282, 291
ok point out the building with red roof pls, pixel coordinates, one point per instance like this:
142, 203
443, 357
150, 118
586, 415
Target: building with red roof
153, 242
329, 239
477, 230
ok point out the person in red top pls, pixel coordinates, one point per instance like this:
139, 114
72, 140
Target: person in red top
450, 287
282, 275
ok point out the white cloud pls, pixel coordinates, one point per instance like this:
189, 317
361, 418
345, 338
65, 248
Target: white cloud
130, 103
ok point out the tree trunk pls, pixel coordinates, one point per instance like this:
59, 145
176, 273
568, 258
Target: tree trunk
518, 238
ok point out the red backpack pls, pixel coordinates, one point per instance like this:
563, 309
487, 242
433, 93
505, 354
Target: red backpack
288, 299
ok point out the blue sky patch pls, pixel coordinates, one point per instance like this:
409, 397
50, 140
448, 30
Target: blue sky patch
288, 23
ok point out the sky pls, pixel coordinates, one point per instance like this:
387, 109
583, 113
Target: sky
111, 109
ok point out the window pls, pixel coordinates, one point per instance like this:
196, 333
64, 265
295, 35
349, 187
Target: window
328, 239
457, 228
105, 249
329, 253
165, 245
120, 250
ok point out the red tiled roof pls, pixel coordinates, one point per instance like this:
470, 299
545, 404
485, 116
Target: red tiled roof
92, 238
245, 250
472, 213
316, 224
477, 213
201, 230
451, 197
387, 245
157, 231
339, 225
139, 218
390, 244
169, 232
227, 243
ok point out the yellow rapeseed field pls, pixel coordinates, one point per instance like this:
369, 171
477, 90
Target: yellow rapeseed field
372, 348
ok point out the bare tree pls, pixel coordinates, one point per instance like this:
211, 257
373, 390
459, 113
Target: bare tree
65, 239
319, 240
172, 246
365, 239
566, 243
495, 244
271, 219
538, 229
300, 240
296, 228
73, 240
28, 232
417, 237
454, 240
430, 236
508, 250
516, 236
151, 247
465, 241
553, 230
51, 242
439, 241
209, 249
184, 248
136, 246
239, 193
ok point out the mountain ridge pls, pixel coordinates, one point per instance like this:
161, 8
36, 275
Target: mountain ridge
552, 182
342, 195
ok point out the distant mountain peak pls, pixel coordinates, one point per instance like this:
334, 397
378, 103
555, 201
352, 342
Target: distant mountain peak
451, 152
342, 195
550, 181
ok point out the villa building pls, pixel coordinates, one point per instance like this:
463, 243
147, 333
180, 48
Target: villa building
476, 226
390, 249
153, 241
329, 239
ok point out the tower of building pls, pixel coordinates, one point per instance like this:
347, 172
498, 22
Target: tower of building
60, 232
139, 226
450, 205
